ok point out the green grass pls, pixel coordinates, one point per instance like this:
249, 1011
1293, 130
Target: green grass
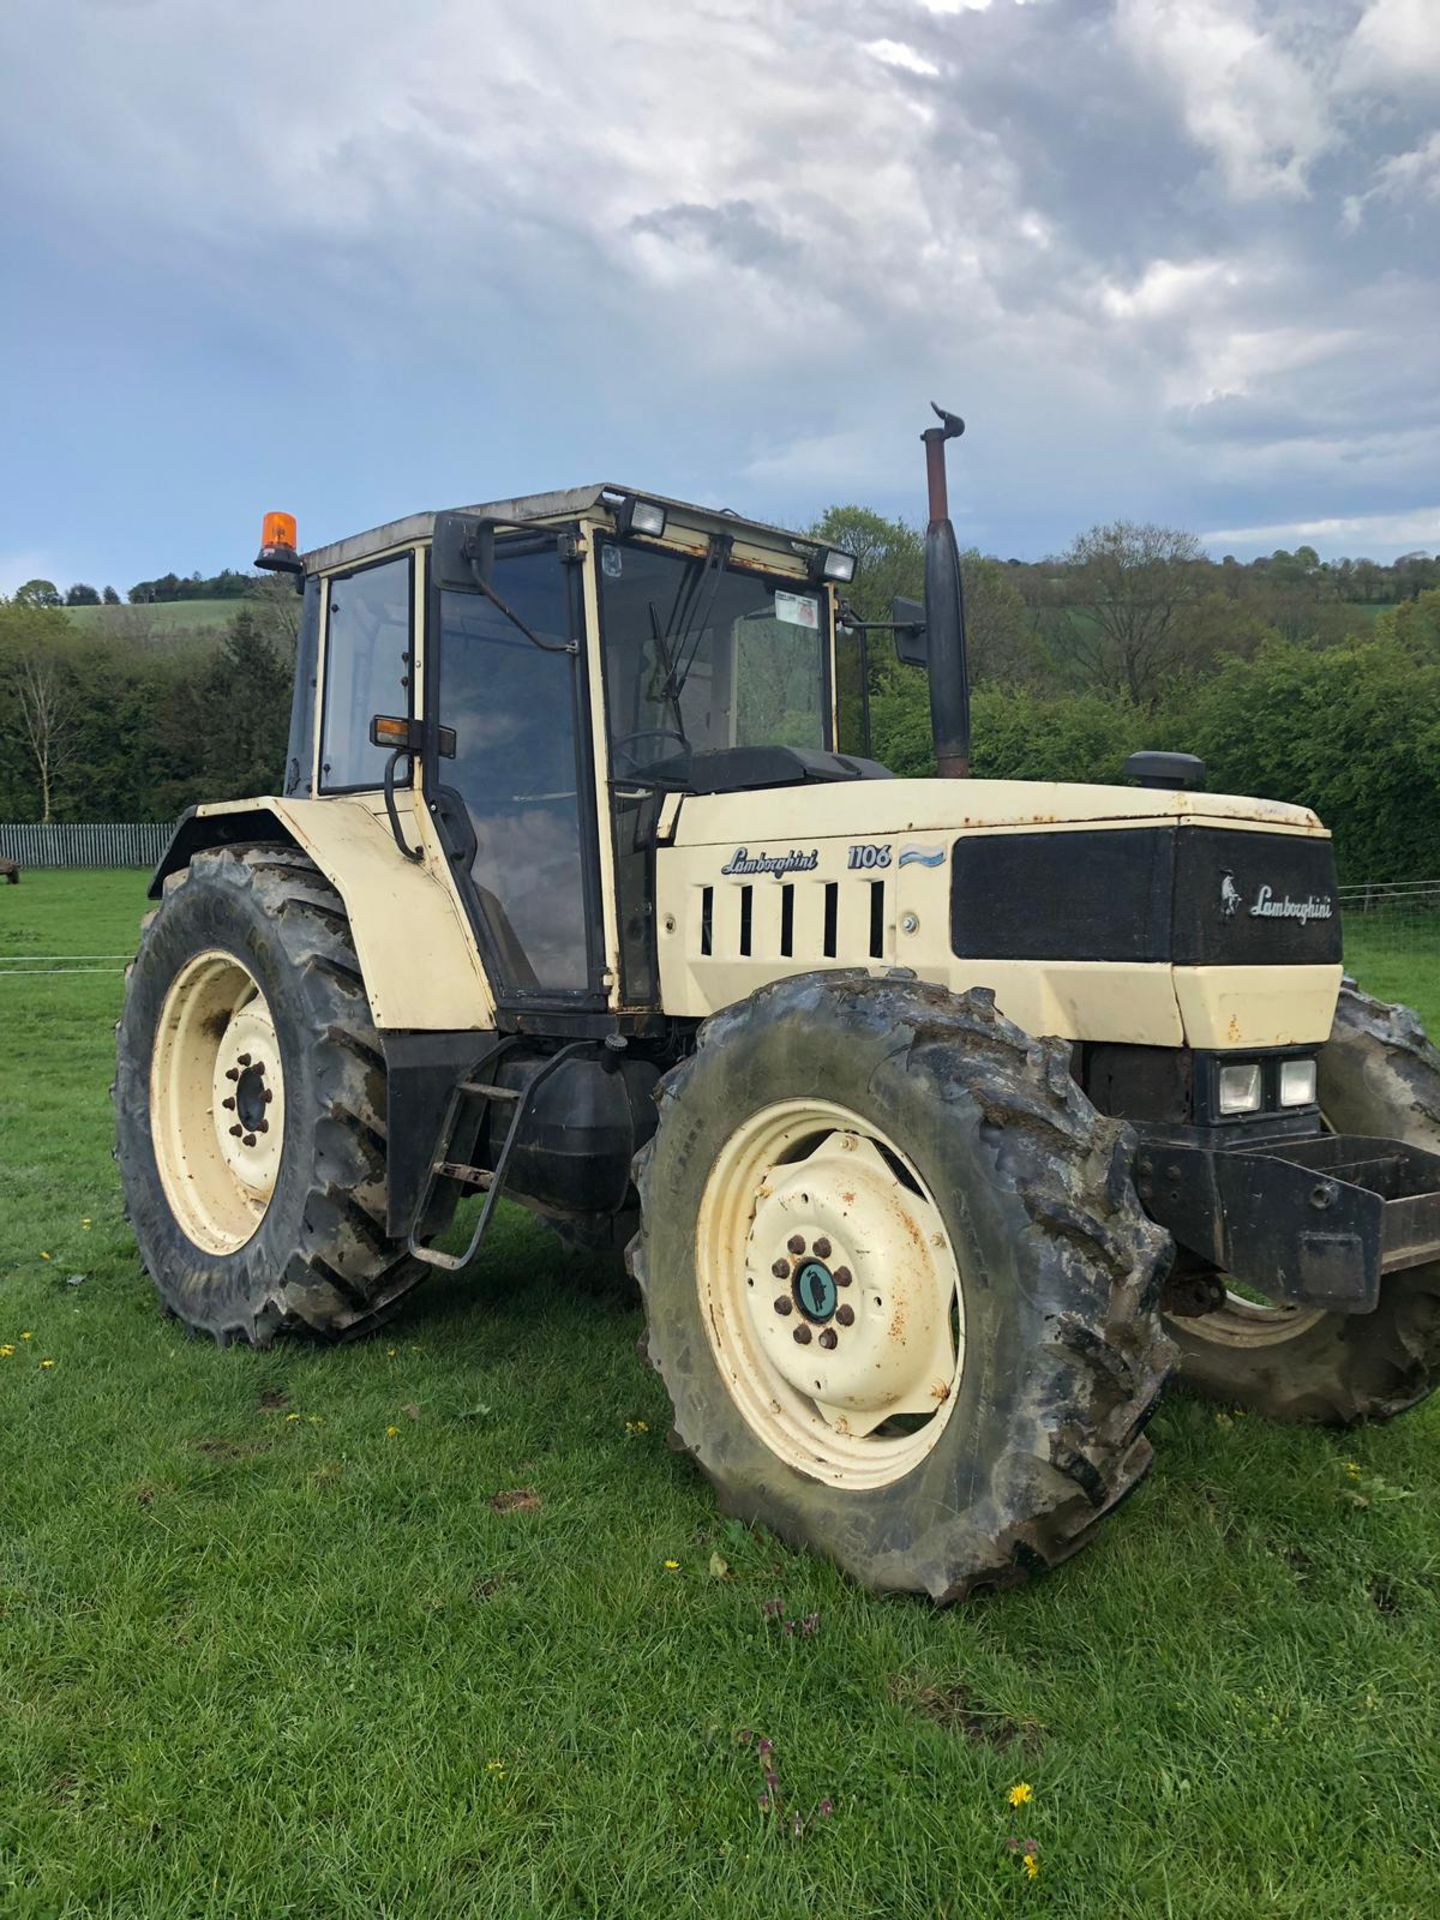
165, 616
258, 1654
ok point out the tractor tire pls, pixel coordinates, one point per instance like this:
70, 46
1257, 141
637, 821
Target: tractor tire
910, 1320
1379, 1075
250, 1106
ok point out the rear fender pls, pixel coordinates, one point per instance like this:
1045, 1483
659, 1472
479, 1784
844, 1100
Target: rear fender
421, 968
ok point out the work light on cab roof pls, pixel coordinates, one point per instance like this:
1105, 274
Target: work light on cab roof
936, 1114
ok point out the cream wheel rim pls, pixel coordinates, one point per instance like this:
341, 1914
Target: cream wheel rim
830, 1293
217, 1101
1242, 1323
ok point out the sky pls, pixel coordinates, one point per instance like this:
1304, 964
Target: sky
1173, 260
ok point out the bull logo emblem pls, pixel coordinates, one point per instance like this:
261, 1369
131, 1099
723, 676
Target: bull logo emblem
1229, 896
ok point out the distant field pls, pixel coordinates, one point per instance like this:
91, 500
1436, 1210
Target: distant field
167, 616
427, 1625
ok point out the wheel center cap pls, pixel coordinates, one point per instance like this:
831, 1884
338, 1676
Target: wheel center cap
815, 1290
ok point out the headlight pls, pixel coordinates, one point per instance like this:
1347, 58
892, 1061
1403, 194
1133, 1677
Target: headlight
1239, 1089
1297, 1083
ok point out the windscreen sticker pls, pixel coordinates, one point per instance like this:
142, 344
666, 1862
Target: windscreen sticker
799, 609
611, 563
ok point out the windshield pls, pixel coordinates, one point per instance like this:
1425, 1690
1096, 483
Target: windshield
701, 656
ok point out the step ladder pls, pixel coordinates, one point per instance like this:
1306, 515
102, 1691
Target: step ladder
488, 1180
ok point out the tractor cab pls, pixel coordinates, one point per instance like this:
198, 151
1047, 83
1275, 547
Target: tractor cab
525, 683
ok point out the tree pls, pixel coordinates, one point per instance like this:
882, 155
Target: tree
45, 698
38, 593
81, 596
244, 700
1127, 586
111, 597
1415, 624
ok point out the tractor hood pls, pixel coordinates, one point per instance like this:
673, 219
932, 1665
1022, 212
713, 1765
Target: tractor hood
876, 808
1148, 916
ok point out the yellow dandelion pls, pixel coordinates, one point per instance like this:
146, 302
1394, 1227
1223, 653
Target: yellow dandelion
1352, 1467
27, 1336
390, 1432
84, 1223
1032, 1867
637, 1426
44, 1256
47, 1363
5, 1352
672, 1566
1021, 1794
389, 1353
292, 1416
494, 1766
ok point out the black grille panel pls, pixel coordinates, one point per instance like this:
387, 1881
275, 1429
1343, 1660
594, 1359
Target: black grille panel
1191, 895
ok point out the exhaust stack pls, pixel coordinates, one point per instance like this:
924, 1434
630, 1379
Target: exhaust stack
945, 611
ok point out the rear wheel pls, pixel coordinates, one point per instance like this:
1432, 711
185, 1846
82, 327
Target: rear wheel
1379, 1075
907, 1320
250, 1105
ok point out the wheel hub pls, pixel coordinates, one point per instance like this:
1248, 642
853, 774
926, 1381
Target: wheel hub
217, 1101
850, 1286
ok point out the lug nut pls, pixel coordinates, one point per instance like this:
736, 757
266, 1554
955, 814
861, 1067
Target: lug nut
842, 1276
783, 1303
249, 1140
262, 1126
232, 1073
795, 1243
243, 1059
237, 1131
829, 1337
821, 1249
781, 1269
802, 1336
267, 1096
845, 1315
229, 1105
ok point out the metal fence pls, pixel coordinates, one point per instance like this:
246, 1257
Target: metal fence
1391, 920
73, 844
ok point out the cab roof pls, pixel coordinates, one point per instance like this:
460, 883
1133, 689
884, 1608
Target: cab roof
567, 503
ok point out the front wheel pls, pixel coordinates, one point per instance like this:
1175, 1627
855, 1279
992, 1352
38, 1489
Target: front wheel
898, 1284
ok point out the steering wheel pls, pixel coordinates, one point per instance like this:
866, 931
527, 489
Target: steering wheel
627, 743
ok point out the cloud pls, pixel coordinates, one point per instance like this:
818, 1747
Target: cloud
727, 249
1358, 534
1395, 47
1247, 96
1404, 176
895, 53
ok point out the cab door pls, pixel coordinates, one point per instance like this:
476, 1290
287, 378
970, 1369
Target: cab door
515, 806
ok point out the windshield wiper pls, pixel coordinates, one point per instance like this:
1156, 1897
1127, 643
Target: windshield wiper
663, 654
695, 618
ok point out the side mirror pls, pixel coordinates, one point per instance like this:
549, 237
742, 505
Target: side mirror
910, 640
462, 551
393, 730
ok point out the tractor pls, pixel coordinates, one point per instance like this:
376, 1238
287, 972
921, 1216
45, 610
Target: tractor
943, 1120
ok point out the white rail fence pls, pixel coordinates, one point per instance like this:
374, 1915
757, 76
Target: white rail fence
83, 844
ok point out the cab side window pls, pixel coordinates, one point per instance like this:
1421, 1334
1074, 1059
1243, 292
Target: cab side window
368, 651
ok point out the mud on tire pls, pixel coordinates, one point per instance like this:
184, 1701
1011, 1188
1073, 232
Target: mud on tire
1059, 1271
319, 1259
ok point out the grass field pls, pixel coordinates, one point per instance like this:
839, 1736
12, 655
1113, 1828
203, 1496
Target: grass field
166, 616
393, 1629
